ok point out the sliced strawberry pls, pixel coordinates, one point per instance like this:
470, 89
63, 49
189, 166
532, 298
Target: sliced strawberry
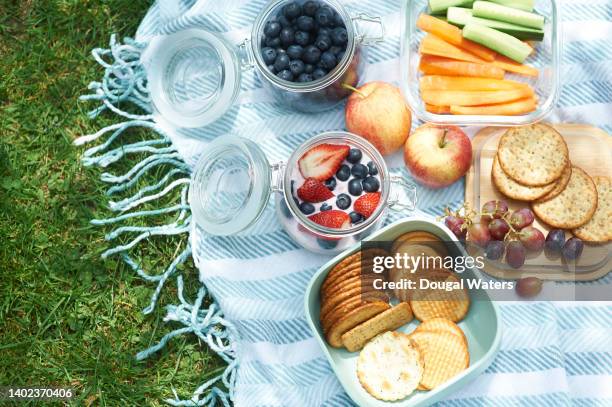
322, 161
366, 204
334, 219
314, 191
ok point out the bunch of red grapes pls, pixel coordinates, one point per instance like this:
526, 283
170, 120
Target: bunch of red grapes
499, 231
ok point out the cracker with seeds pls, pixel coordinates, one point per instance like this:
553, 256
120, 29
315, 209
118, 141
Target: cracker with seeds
515, 190
599, 228
573, 207
534, 155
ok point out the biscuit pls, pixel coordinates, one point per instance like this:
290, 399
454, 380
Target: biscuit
352, 319
515, 190
599, 228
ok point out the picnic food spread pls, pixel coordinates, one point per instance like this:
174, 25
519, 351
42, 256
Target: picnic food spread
359, 317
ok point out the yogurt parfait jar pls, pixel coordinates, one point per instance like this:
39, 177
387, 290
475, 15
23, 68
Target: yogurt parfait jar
233, 182
195, 75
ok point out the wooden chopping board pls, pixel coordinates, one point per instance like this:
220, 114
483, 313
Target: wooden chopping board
590, 149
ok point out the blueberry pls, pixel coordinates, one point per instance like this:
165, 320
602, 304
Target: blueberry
323, 42
287, 35
326, 243
354, 187
339, 36
319, 73
292, 10
343, 201
280, 50
272, 29
305, 77
295, 51
338, 20
336, 50
273, 42
372, 169
309, 68
282, 62
305, 23
324, 31
310, 8
371, 184
356, 218
296, 67
311, 55
359, 171
343, 173
325, 207
330, 183
271, 68
325, 16
328, 60
283, 21
354, 155
285, 75
340, 55
269, 55
302, 38
307, 208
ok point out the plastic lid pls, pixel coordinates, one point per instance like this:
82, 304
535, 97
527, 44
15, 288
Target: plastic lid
230, 186
194, 77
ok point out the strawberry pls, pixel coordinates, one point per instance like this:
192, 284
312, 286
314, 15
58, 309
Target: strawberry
367, 203
314, 191
334, 219
322, 161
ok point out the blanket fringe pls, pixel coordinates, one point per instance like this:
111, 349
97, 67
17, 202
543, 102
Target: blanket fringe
124, 82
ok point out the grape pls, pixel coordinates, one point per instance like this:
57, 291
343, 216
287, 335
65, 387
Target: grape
515, 254
572, 248
494, 210
522, 218
532, 238
498, 229
528, 287
494, 250
479, 234
454, 224
554, 242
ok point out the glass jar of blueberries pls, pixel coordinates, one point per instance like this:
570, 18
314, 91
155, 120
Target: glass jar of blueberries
332, 192
303, 52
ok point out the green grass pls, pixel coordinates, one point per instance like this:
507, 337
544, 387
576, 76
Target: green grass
68, 318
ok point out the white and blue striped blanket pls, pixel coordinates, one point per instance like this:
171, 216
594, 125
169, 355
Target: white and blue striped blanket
555, 354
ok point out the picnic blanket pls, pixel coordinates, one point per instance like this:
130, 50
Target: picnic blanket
551, 354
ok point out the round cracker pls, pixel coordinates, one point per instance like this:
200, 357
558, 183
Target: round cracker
343, 284
427, 304
350, 304
349, 271
513, 189
444, 355
331, 302
559, 185
599, 228
352, 319
533, 155
441, 325
390, 367
417, 235
348, 262
573, 207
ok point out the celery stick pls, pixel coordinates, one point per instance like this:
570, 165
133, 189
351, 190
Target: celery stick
494, 11
503, 43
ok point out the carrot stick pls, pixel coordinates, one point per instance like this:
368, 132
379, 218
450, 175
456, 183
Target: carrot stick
511, 66
521, 106
432, 45
473, 98
452, 35
438, 82
437, 109
431, 65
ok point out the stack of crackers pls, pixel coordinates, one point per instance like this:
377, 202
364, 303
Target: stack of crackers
392, 364
532, 164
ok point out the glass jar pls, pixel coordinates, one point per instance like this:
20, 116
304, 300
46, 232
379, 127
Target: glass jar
232, 183
194, 75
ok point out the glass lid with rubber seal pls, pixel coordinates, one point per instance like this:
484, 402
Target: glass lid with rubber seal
231, 185
193, 75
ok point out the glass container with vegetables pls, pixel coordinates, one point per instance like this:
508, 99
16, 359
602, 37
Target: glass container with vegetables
481, 62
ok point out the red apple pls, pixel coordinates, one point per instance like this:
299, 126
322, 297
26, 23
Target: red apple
377, 112
437, 156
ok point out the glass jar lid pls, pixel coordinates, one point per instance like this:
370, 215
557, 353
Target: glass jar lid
230, 186
193, 75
